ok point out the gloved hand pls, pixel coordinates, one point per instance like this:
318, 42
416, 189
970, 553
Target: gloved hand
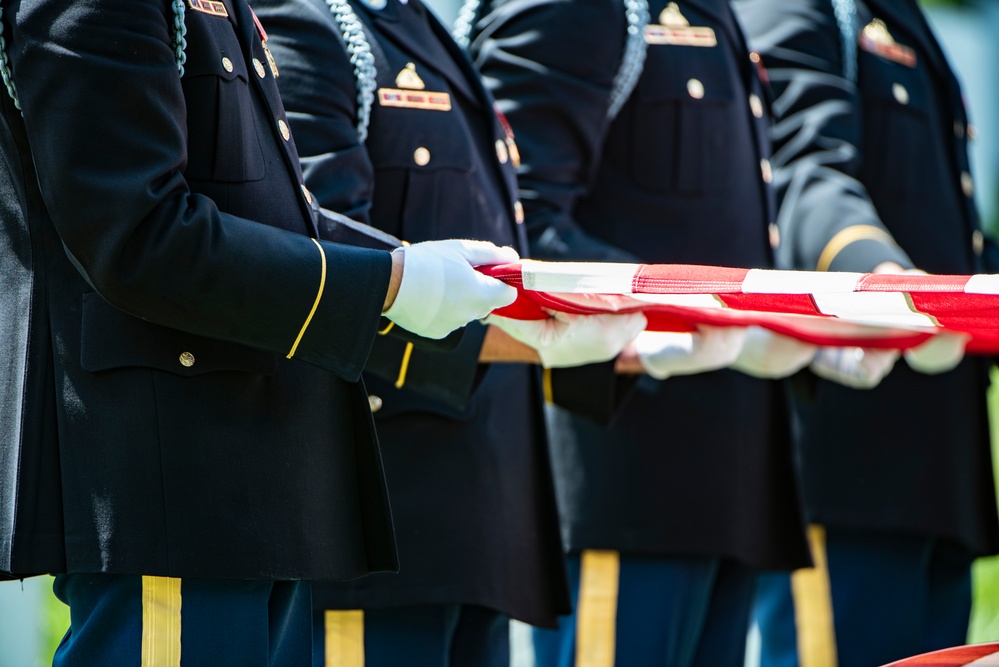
769, 355
663, 354
440, 291
573, 340
941, 353
855, 367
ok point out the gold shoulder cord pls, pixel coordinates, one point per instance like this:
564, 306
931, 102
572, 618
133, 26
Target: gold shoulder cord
404, 366
315, 306
546, 386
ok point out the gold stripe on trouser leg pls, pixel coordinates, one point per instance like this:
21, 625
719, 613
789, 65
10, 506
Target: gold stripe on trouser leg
160, 622
596, 611
813, 612
546, 386
344, 638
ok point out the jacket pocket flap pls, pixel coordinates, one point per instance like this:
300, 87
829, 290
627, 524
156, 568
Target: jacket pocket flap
113, 339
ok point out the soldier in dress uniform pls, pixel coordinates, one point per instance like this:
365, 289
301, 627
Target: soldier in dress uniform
872, 136
183, 437
643, 133
380, 96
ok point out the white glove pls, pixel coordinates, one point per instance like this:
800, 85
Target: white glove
769, 355
440, 291
573, 340
710, 348
941, 353
854, 367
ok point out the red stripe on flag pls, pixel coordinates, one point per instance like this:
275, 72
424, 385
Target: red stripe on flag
799, 304
687, 279
911, 282
959, 656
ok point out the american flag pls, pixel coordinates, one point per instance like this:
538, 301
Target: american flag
978, 655
892, 311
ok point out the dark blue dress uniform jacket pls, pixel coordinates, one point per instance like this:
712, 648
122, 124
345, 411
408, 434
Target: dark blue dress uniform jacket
464, 443
697, 465
146, 216
887, 153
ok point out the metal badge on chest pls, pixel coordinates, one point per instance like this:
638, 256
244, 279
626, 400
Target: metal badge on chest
410, 93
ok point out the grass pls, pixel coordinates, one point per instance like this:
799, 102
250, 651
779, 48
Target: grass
985, 575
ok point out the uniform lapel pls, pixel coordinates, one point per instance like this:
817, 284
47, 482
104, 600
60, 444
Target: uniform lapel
719, 10
461, 60
388, 23
251, 42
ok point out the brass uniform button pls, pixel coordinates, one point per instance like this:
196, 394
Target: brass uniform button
285, 130
421, 156
374, 402
695, 88
514, 152
518, 212
774, 232
972, 132
226, 64
259, 66
977, 242
958, 129
900, 93
766, 171
501, 152
967, 184
756, 105
308, 195
186, 359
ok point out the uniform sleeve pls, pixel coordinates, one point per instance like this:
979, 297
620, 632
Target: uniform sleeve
551, 64
826, 218
319, 91
107, 121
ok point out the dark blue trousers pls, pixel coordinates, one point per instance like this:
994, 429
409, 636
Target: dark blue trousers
889, 597
128, 621
670, 612
451, 635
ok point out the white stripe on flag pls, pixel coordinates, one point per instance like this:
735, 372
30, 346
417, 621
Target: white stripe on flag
578, 277
687, 300
986, 661
761, 281
982, 284
879, 308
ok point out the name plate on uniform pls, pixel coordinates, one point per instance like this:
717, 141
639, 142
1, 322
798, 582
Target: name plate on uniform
414, 99
675, 29
876, 39
690, 36
209, 7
